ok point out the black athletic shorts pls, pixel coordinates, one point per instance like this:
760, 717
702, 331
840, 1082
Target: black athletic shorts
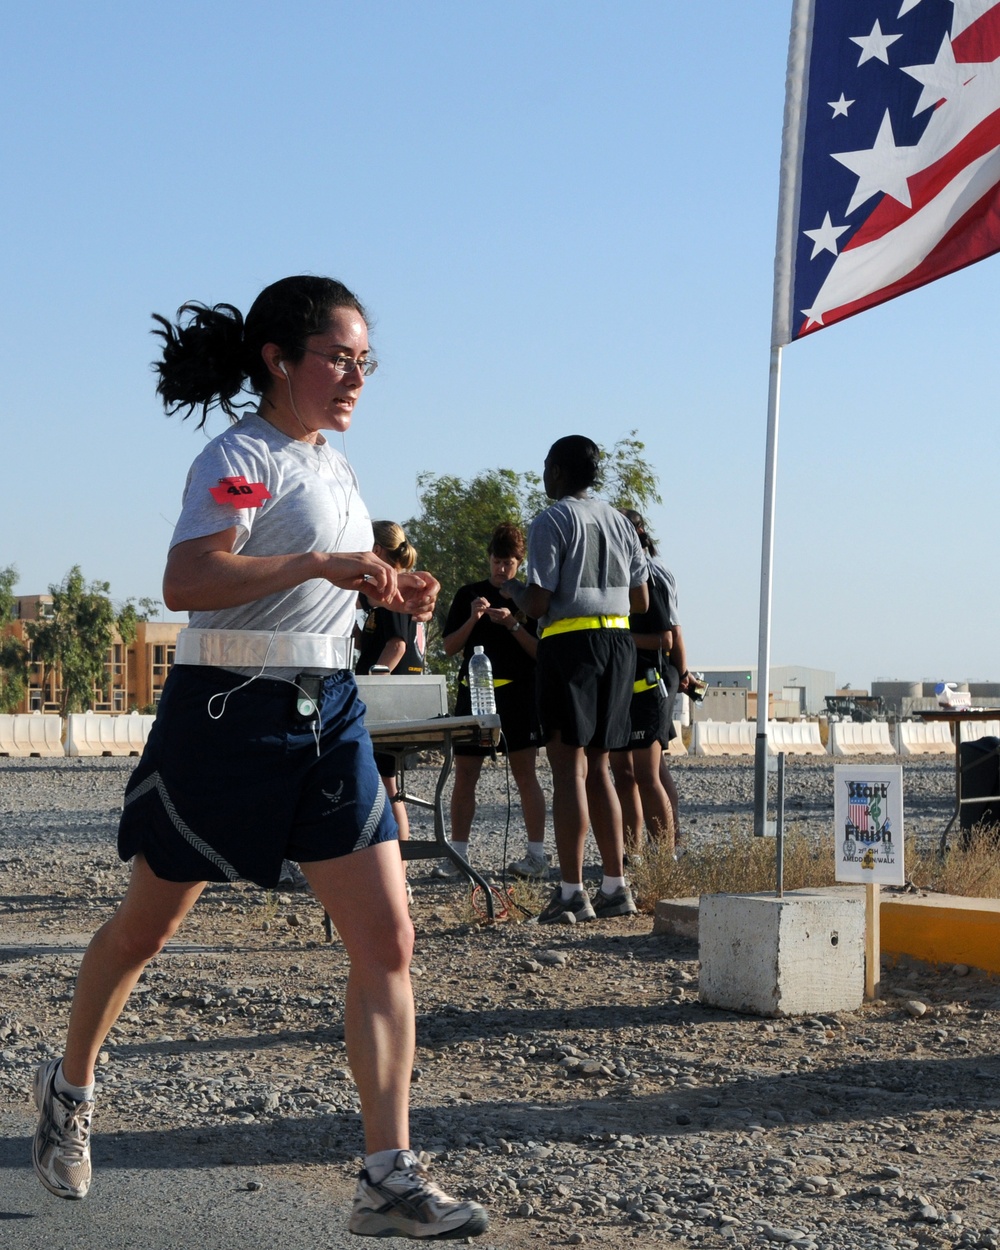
232, 781
647, 713
518, 717
585, 687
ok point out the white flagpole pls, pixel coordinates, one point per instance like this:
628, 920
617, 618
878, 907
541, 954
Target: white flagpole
766, 573
799, 47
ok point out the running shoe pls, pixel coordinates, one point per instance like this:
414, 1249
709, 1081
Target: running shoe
407, 1203
573, 910
621, 903
530, 868
446, 870
292, 877
61, 1148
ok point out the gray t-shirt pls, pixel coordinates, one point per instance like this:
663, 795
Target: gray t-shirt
659, 573
587, 554
314, 506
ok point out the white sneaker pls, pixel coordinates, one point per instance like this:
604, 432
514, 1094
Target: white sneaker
446, 870
407, 1203
61, 1148
530, 868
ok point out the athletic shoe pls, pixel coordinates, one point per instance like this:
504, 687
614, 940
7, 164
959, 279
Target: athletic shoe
61, 1148
446, 870
407, 1203
530, 868
621, 903
574, 910
292, 877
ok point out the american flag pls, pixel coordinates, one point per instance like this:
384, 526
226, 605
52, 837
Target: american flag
891, 153
857, 814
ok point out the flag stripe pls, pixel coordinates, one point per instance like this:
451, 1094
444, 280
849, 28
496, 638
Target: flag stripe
891, 154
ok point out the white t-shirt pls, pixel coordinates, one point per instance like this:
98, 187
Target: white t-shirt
314, 506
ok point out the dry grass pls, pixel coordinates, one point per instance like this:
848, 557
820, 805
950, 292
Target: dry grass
972, 873
740, 864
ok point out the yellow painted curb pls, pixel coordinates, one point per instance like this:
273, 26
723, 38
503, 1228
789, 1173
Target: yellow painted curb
943, 929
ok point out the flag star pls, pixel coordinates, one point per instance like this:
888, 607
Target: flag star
874, 47
840, 106
906, 6
813, 317
942, 80
825, 238
882, 167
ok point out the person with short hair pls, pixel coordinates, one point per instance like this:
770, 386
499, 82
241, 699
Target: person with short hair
479, 616
259, 750
585, 573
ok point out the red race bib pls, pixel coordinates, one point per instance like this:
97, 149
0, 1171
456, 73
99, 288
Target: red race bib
239, 492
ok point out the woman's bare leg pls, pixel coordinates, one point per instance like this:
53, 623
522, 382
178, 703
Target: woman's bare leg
623, 772
364, 896
570, 816
463, 796
523, 766
147, 917
605, 812
655, 801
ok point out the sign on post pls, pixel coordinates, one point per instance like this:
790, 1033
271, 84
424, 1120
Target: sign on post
868, 823
868, 836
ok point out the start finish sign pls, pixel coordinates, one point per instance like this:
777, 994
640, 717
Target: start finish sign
868, 823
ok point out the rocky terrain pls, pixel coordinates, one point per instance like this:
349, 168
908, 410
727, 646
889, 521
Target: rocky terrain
567, 1077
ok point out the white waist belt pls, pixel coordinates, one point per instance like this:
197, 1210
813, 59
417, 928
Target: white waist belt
249, 648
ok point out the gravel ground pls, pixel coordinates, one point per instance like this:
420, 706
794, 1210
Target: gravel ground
568, 1078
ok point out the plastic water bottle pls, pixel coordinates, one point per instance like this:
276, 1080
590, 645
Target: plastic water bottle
484, 701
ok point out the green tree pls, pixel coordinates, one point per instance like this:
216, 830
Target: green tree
77, 634
14, 659
458, 517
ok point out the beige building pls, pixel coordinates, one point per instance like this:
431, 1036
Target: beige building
136, 671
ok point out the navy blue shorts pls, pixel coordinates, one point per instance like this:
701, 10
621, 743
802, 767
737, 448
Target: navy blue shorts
585, 687
220, 799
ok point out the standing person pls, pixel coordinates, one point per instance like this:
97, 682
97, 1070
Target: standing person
259, 750
585, 573
676, 676
479, 616
636, 767
391, 642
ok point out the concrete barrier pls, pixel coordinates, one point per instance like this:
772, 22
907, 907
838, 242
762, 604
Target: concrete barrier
872, 738
31, 734
677, 746
100, 733
914, 737
798, 737
723, 737
973, 730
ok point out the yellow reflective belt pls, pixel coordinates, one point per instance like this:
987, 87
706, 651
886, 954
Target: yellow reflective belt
497, 682
642, 685
569, 624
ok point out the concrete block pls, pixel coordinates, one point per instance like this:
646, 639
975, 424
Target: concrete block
796, 955
677, 917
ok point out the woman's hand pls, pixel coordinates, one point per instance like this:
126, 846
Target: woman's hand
414, 593
480, 607
502, 616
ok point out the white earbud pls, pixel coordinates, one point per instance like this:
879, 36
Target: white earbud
281, 366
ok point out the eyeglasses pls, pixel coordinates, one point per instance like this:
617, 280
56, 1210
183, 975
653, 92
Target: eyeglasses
346, 364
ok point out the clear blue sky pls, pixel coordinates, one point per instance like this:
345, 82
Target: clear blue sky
562, 216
